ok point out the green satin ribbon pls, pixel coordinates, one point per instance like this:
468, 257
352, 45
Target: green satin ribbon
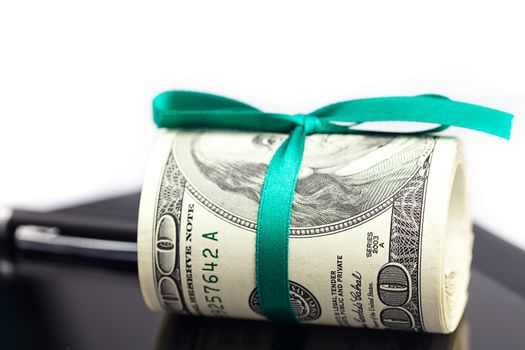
185, 109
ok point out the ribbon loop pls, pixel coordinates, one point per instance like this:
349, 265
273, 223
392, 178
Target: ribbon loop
185, 109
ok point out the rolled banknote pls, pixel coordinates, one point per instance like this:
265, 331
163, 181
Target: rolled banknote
380, 229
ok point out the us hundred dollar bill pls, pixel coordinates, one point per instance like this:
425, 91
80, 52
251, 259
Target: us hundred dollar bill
380, 230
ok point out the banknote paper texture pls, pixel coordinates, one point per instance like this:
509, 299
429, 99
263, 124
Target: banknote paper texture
380, 234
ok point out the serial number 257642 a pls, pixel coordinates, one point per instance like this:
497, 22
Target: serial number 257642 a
211, 287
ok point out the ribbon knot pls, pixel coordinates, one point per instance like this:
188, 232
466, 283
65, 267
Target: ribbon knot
311, 123
185, 109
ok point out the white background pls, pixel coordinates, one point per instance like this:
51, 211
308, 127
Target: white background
77, 79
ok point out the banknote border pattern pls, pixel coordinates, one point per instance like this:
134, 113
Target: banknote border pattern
295, 232
169, 202
406, 236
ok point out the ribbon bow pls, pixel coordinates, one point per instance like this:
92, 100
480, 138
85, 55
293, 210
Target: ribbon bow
185, 109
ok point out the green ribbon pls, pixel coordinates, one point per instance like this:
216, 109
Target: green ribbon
188, 110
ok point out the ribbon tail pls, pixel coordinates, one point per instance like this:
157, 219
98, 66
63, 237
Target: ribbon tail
423, 109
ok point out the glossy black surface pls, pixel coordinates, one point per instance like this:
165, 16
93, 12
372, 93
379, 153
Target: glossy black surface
64, 303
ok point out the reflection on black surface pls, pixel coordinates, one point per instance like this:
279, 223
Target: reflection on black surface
22, 311
18, 307
59, 303
196, 333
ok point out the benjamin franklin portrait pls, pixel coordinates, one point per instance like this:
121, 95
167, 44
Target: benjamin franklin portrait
341, 176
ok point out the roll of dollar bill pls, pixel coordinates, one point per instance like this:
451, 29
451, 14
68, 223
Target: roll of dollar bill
380, 233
